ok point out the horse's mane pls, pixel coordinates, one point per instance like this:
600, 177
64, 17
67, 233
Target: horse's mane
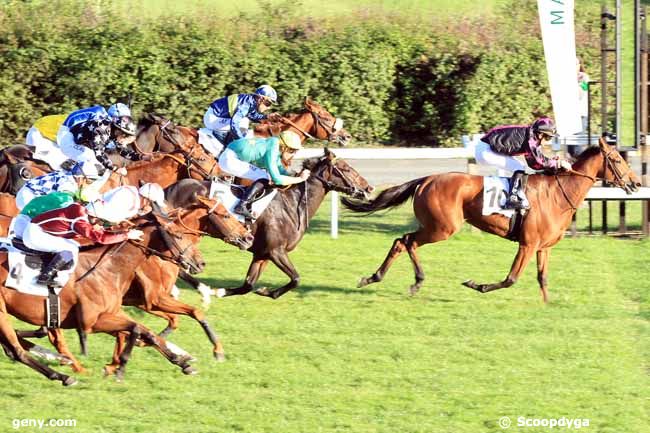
312, 163
588, 153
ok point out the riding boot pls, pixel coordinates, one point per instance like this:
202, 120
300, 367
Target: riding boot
514, 201
58, 263
244, 206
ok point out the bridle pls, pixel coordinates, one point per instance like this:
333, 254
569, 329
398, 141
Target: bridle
350, 185
608, 163
329, 128
190, 161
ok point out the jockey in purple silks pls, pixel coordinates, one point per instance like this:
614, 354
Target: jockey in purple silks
500, 144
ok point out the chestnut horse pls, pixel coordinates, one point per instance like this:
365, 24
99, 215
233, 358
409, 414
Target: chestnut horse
92, 298
283, 224
442, 203
18, 166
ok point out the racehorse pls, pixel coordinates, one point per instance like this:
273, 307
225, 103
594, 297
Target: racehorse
92, 298
442, 202
283, 224
313, 122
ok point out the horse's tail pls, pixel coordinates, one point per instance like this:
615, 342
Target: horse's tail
388, 198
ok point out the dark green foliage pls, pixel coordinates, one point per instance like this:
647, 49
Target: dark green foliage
393, 79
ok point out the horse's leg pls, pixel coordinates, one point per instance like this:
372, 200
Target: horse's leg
394, 252
172, 320
412, 243
112, 323
542, 272
58, 341
83, 341
203, 289
10, 342
524, 254
120, 341
170, 305
254, 271
281, 260
36, 333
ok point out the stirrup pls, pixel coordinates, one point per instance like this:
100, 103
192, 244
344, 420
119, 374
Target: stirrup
243, 210
513, 202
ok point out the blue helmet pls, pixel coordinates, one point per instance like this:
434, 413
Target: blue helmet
267, 92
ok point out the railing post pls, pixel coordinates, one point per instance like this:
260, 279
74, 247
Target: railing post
334, 215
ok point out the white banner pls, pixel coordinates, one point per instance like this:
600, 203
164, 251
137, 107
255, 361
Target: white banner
558, 35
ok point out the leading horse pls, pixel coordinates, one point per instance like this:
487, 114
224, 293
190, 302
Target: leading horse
442, 203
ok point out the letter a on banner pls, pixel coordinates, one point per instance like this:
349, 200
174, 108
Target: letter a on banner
558, 36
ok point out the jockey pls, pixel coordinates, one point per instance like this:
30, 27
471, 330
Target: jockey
51, 222
41, 137
261, 160
498, 146
86, 133
229, 117
76, 182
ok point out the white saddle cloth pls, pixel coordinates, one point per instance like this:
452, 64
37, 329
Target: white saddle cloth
221, 190
495, 193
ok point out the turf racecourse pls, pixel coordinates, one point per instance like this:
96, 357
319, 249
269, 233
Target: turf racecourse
333, 358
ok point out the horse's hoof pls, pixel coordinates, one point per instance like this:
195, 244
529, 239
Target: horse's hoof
263, 291
363, 281
189, 370
469, 283
219, 356
414, 289
69, 381
119, 376
220, 292
109, 370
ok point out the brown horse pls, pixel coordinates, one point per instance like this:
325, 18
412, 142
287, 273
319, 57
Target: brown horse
92, 298
442, 202
283, 224
313, 122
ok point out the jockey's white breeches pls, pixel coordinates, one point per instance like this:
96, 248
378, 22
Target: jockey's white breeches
229, 163
222, 124
45, 149
35, 238
486, 156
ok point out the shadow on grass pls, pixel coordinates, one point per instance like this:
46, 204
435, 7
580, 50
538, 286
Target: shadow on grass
306, 290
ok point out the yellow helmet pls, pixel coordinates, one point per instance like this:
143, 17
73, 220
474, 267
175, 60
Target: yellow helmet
291, 140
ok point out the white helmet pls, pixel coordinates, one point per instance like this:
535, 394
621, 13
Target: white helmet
116, 205
153, 192
119, 110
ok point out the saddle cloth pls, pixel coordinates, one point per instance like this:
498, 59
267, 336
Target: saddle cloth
224, 192
210, 142
25, 267
495, 192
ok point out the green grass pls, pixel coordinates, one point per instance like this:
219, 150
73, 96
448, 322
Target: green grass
333, 358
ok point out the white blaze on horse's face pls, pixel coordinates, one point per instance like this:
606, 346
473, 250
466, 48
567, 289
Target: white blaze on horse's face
338, 124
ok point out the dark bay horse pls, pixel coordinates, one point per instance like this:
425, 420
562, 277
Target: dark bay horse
17, 166
283, 224
442, 203
92, 299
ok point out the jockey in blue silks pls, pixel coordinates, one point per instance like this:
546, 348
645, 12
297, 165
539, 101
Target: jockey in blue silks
229, 117
86, 133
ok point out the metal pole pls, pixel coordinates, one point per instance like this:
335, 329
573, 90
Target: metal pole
619, 76
334, 216
643, 98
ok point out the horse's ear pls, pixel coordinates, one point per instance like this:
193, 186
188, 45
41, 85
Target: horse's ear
329, 154
10, 158
603, 144
308, 101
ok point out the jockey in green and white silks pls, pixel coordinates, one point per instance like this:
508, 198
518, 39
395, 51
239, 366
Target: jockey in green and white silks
229, 117
261, 160
51, 222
